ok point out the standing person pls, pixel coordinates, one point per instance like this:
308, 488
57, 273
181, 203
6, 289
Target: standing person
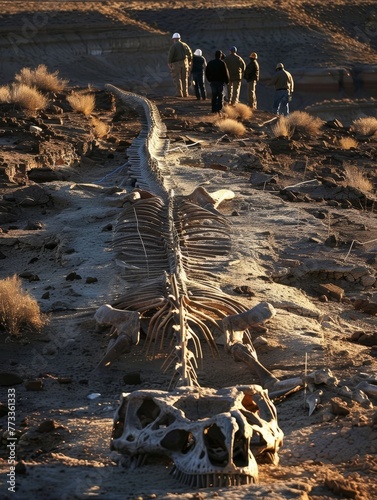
284, 85
236, 67
217, 74
197, 71
179, 62
252, 76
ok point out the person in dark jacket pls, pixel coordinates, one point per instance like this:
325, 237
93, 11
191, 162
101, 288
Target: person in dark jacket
218, 75
252, 76
197, 72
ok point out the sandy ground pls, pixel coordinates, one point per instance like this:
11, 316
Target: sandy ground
279, 251
269, 234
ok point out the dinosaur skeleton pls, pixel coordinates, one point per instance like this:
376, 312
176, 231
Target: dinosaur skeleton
168, 246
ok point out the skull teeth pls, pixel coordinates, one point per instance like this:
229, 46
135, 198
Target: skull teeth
211, 480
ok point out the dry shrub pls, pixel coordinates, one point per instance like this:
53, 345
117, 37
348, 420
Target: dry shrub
230, 126
282, 128
304, 122
5, 94
41, 79
239, 110
27, 97
18, 309
230, 112
82, 103
100, 128
365, 126
347, 143
356, 178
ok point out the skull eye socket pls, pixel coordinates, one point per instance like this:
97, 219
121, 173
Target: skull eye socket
147, 412
214, 441
178, 440
249, 404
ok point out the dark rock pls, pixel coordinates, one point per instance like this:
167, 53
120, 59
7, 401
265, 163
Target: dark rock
47, 426
89, 280
45, 174
31, 196
339, 407
27, 275
336, 124
3, 410
132, 378
20, 467
9, 379
34, 226
73, 276
367, 339
64, 380
51, 245
332, 241
34, 385
366, 306
244, 290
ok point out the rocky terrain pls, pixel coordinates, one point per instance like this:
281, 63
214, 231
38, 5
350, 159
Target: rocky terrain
303, 239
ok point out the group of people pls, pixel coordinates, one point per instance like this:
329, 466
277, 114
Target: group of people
225, 73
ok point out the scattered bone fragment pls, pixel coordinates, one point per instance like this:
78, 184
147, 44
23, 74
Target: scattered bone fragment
339, 407
126, 325
313, 400
202, 197
331, 290
322, 376
367, 388
236, 324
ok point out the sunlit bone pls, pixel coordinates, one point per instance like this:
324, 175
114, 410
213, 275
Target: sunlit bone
126, 325
214, 437
234, 327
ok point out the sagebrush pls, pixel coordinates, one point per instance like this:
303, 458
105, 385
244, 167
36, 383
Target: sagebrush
356, 177
347, 143
41, 78
82, 102
365, 126
282, 128
239, 110
18, 309
230, 126
22, 95
100, 129
304, 122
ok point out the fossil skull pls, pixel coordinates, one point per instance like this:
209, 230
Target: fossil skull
214, 437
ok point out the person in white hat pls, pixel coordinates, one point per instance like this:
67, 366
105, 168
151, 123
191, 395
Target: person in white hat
197, 72
284, 86
252, 76
179, 62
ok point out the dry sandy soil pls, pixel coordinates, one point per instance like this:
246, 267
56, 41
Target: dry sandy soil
289, 241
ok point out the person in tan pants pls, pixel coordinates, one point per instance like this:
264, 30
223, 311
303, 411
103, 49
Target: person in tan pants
236, 67
179, 62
